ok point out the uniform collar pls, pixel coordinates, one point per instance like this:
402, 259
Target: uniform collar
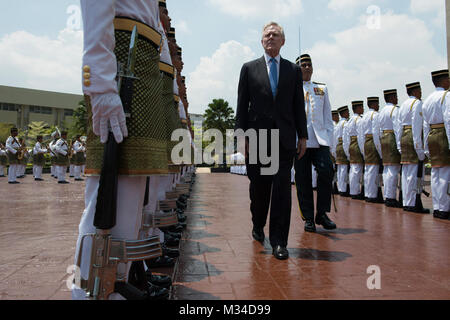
440, 89
412, 97
389, 104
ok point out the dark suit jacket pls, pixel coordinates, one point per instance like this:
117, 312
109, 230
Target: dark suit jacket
258, 109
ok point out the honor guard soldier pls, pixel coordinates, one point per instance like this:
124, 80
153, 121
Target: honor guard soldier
12, 149
3, 160
121, 42
389, 131
342, 161
371, 150
39, 152
436, 133
23, 159
51, 146
410, 122
62, 151
335, 117
78, 157
320, 137
353, 151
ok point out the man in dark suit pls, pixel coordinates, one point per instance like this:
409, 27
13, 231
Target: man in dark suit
270, 98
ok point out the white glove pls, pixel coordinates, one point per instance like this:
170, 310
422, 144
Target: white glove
107, 110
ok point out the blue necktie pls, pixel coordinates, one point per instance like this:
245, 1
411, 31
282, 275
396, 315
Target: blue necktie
273, 76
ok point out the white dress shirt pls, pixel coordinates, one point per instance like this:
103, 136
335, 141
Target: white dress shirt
38, 149
12, 144
269, 64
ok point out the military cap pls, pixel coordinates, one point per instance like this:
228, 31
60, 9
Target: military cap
335, 112
343, 109
373, 100
440, 74
303, 58
389, 92
413, 85
162, 3
179, 51
356, 104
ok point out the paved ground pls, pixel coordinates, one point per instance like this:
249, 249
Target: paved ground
38, 230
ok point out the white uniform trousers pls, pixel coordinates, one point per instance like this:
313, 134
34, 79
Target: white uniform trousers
440, 178
61, 173
37, 172
2, 170
71, 170
152, 207
390, 180
130, 200
77, 172
12, 172
409, 184
370, 181
53, 171
342, 177
356, 172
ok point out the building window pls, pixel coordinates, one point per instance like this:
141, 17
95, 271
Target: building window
68, 113
42, 110
8, 107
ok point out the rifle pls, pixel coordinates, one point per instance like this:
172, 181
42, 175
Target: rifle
400, 197
107, 252
419, 206
380, 198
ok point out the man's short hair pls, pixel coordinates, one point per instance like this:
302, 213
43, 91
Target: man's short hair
272, 23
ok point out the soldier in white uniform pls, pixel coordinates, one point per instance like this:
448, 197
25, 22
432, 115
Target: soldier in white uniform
335, 117
342, 161
61, 149
39, 151
107, 29
369, 140
410, 122
12, 148
51, 146
352, 149
3, 160
320, 137
78, 158
436, 133
389, 131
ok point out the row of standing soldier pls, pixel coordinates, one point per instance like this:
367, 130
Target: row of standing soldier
374, 148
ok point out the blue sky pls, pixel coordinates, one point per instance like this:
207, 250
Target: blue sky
37, 50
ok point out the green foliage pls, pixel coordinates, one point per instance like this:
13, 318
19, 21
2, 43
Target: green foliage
79, 125
219, 116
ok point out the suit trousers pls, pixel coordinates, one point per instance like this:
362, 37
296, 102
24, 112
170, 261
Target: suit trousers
321, 160
273, 191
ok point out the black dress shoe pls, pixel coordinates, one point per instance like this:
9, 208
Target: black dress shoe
162, 281
181, 218
393, 203
157, 293
280, 252
441, 215
359, 197
175, 235
324, 221
38, 179
310, 226
14, 182
258, 235
171, 241
79, 179
160, 262
169, 252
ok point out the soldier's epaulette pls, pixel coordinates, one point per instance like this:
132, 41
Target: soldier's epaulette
322, 84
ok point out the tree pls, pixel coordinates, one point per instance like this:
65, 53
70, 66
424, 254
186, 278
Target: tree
219, 116
79, 125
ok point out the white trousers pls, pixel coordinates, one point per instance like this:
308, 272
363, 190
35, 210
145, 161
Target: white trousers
152, 207
12, 172
77, 172
53, 171
20, 170
37, 172
342, 177
370, 181
440, 178
130, 200
71, 170
409, 184
61, 173
390, 180
2, 170
356, 172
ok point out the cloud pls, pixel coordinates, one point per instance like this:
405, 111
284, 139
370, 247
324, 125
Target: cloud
273, 9
362, 62
430, 6
181, 26
339, 5
217, 76
39, 62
